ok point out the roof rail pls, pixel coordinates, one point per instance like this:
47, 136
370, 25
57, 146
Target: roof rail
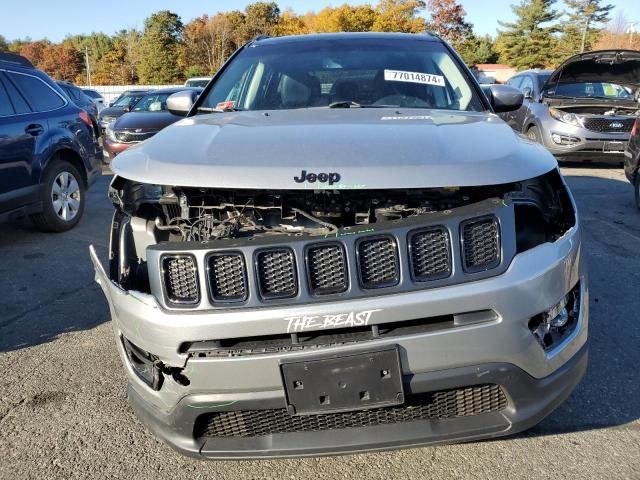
15, 59
261, 37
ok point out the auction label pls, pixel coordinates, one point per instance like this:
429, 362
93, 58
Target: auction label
413, 77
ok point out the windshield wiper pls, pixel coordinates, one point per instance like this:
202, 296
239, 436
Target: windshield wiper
352, 104
218, 110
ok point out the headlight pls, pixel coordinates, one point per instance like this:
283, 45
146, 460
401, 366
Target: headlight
110, 135
565, 117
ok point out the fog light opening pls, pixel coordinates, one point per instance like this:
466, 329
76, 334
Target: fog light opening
554, 325
559, 139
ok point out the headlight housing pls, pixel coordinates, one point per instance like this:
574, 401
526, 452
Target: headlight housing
110, 134
565, 117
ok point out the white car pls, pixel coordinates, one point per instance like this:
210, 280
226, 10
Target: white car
197, 82
95, 98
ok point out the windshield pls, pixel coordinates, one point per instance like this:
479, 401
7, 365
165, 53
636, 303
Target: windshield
92, 93
127, 100
589, 90
354, 72
154, 102
197, 83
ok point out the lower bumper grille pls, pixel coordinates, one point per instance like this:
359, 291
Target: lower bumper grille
461, 402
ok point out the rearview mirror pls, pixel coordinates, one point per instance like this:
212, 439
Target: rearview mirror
503, 98
181, 102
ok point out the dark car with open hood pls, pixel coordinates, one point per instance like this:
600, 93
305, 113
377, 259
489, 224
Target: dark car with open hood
585, 109
147, 117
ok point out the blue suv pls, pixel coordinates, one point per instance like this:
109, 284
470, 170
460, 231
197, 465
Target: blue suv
49, 153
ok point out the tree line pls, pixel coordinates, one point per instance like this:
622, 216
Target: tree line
166, 50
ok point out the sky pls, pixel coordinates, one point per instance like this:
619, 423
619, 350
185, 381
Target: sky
56, 19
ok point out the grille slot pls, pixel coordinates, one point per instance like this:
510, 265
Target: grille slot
181, 279
461, 402
481, 244
277, 273
227, 277
125, 136
327, 269
430, 254
378, 262
610, 125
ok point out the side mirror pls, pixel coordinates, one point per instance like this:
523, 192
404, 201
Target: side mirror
504, 98
181, 102
127, 108
528, 93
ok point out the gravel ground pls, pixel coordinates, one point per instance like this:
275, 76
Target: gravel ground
63, 407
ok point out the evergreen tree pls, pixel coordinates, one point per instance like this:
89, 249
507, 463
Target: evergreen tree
529, 41
159, 49
584, 16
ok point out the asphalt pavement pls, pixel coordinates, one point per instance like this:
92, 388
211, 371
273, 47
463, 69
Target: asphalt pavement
63, 406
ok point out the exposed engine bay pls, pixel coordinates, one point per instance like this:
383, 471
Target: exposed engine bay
152, 214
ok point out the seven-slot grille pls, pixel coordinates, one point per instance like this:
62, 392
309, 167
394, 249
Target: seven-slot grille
430, 254
181, 279
459, 402
608, 125
227, 277
481, 244
277, 273
327, 269
376, 265
378, 262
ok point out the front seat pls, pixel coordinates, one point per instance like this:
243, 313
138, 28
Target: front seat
293, 93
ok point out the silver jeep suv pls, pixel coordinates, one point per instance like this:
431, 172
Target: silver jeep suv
343, 248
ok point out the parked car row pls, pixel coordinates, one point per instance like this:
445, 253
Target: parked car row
141, 120
49, 153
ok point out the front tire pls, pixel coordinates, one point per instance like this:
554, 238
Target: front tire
534, 134
63, 198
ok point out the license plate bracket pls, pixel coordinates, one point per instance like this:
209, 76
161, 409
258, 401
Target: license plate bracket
343, 383
614, 146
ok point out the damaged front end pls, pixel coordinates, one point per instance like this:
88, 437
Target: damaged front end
149, 218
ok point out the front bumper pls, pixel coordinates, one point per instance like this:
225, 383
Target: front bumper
530, 400
585, 144
501, 351
111, 148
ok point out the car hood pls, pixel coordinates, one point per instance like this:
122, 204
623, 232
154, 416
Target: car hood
621, 67
145, 120
112, 112
367, 148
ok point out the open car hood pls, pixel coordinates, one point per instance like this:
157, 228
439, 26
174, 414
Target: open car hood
621, 67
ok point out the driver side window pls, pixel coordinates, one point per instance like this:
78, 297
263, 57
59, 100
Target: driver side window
526, 86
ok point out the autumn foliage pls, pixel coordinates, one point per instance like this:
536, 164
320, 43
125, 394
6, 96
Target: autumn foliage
168, 50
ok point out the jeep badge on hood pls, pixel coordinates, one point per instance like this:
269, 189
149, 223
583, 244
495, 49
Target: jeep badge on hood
330, 178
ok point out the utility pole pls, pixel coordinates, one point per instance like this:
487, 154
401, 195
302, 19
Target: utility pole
631, 29
86, 59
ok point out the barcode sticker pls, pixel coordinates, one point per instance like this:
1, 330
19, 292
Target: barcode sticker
414, 77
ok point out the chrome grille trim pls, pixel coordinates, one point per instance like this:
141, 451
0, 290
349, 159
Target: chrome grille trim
180, 279
327, 268
227, 275
276, 273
